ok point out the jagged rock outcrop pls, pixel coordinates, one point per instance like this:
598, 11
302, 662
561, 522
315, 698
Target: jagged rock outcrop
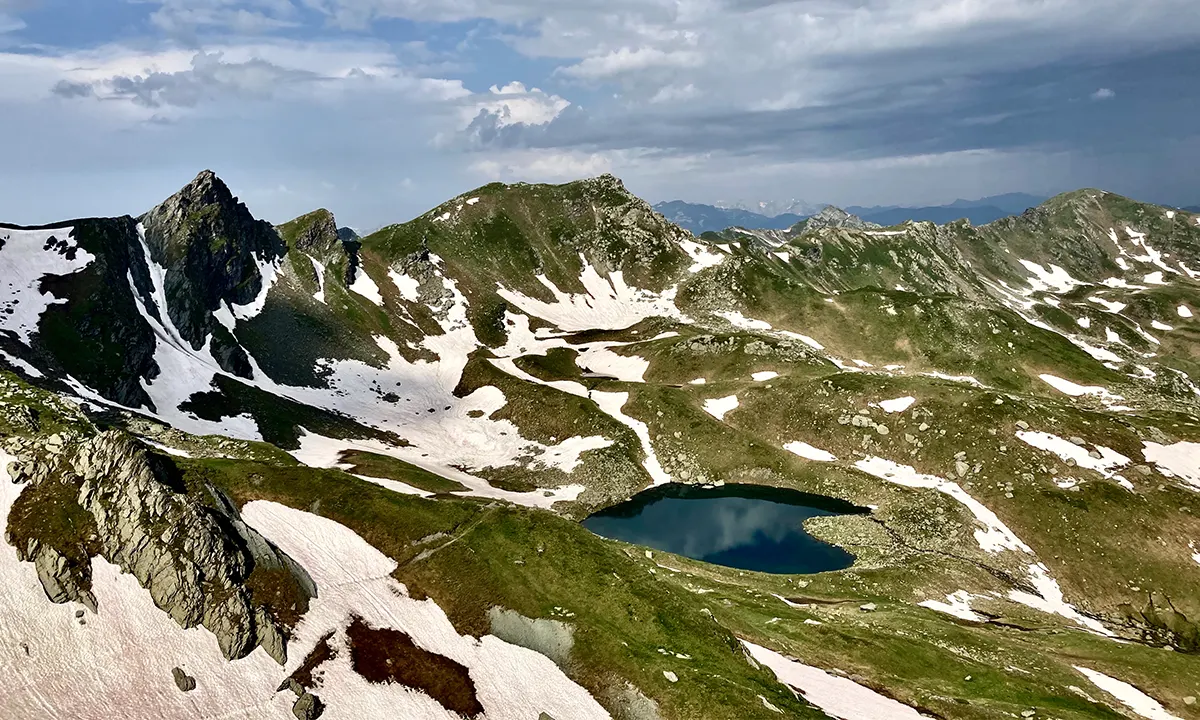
194, 558
213, 251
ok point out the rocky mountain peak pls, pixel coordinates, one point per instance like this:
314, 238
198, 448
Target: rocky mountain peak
315, 233
213, 250
836, 217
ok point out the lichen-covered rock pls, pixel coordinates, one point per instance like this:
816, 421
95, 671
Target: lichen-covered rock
194, 558
190, 558
61, 583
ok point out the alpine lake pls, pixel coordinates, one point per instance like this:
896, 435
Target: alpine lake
748, 527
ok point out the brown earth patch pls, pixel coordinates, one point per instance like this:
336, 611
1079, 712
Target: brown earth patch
387, 656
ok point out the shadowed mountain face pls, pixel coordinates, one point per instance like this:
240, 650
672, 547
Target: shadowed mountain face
444, 399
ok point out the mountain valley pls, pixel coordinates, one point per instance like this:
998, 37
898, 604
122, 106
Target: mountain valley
268, 471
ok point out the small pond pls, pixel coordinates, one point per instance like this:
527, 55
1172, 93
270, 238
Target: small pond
749, 527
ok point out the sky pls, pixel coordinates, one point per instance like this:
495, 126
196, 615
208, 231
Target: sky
382, 109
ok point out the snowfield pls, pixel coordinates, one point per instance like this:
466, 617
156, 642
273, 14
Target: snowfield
354, 578
609, 304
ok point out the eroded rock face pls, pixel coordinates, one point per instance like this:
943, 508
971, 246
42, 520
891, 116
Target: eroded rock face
193, 557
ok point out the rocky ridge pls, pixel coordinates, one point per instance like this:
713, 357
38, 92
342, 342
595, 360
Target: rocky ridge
194, 559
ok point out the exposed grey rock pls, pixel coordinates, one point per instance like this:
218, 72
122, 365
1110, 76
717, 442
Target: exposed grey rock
308, 707
61, 584
551, 638
183, 681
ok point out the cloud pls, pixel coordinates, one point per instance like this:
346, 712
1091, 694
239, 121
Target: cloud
209, 77
1103, 94
626, 60
68, 89
513, 104
181, 80
866, 101
187, 17
541, 166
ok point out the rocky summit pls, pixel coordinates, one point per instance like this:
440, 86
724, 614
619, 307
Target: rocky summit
287, 471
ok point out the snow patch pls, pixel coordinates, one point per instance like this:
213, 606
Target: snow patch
720, 407
1067, 387
319, 269
764, 376
1181, 460
1055, 280
26, 257
1049, 599
898, 405
408, 287
1184, 311
1136, 700
612, 403
365, 286
957, 604
809, 452
995, 535
702, 257
268, 272
741, 321
1108, 305
837, 696
1067, 451
608, 304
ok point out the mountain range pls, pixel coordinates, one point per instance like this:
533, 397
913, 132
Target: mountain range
773, 208
704, 218
284, 471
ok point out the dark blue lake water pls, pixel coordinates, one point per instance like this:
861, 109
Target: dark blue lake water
749, 527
